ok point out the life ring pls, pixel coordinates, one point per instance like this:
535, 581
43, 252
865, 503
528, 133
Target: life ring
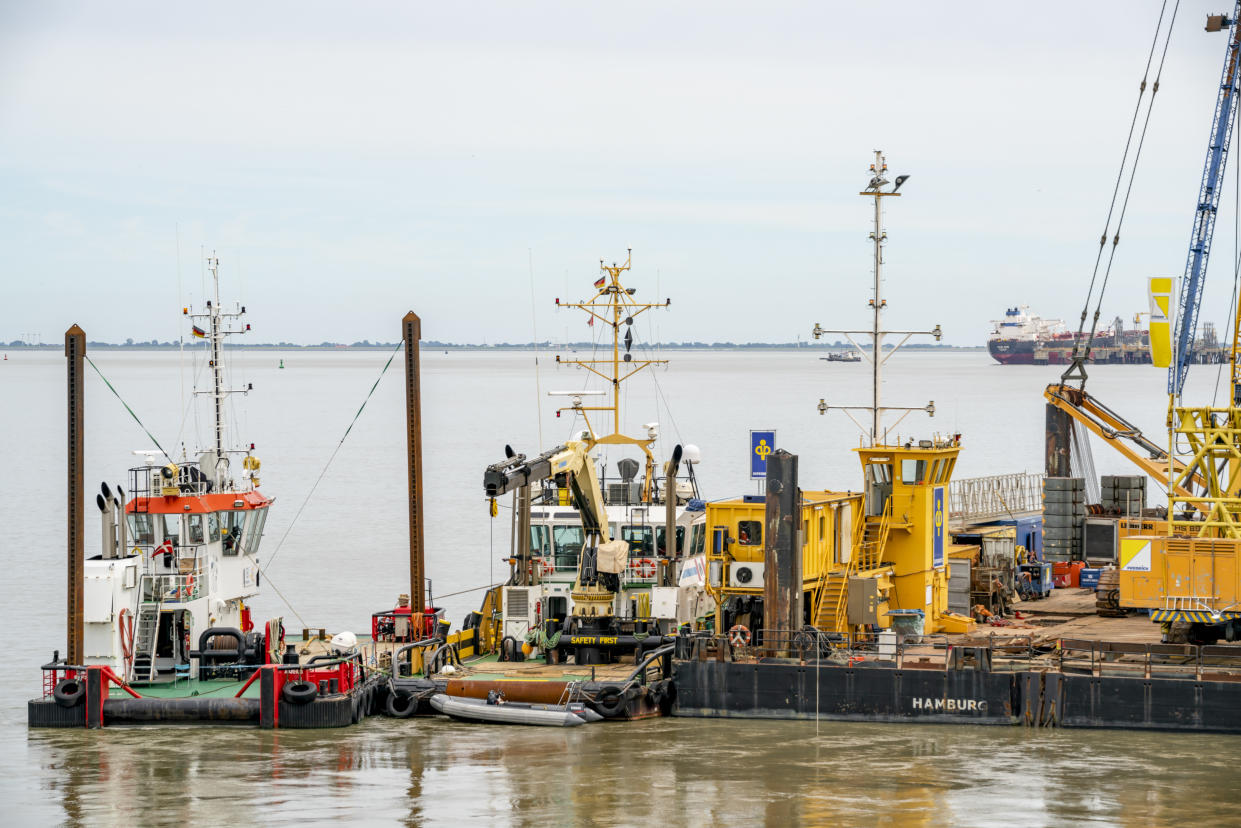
69, 692
127, 640
299, 692
739, 636
644, 567
401, 706
609, 701
187, 589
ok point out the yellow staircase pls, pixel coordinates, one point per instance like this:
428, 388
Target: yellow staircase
832, 610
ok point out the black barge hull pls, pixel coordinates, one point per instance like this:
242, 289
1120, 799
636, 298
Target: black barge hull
773, 690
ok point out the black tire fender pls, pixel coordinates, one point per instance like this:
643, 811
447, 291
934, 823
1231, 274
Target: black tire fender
69, 692
610, 702
399, 706
299, 692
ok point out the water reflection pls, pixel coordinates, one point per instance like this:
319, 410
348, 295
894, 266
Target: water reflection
680, 772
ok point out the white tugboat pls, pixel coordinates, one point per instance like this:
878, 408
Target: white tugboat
185, 558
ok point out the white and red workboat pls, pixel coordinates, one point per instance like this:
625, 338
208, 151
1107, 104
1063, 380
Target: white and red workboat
185, 558
160, 627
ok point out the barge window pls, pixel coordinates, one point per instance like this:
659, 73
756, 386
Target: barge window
879, 472
639, 538
540, 543
698, 539
912, 471
140, 530
567, 541
230, 531
750, 533
172, 529
254, 530
213, 526
194, 529
661, 545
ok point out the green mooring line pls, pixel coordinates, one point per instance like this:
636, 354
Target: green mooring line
127, 408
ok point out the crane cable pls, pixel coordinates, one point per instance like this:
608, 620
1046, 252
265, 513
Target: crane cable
1089, 339
1236, 277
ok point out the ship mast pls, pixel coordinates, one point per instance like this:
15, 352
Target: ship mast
613, 305
216, 318
876, 432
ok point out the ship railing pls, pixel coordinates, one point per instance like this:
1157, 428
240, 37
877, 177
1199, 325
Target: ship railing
59, 669
330, 673
150, 481
547, 569
416, 661
173, 588
885, 648
972, 499
56, 671
1209, 662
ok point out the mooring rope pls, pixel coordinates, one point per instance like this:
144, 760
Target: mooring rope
127, 408
336, 450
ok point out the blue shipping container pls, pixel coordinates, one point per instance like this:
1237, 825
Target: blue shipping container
1089, 578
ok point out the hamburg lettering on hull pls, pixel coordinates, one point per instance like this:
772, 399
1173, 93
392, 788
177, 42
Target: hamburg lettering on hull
929, 705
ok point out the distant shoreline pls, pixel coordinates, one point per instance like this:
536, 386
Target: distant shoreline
503, 346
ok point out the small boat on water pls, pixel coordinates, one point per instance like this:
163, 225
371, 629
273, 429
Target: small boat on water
843, 356
500, 711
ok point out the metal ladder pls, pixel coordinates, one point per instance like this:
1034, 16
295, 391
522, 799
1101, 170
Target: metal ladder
145, 640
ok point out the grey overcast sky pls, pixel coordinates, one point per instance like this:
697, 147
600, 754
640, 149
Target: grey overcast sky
351, 161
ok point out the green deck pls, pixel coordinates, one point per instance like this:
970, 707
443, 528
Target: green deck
186, 688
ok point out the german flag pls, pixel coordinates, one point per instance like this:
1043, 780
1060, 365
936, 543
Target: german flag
198, 332
599, 282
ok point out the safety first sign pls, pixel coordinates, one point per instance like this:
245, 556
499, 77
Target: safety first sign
1135, 555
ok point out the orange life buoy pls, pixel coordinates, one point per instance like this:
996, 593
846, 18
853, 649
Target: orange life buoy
125, 620
187, 591
739, 636
642, 567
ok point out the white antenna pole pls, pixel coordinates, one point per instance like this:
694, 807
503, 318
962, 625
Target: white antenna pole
876, 333
877, 337
213, 264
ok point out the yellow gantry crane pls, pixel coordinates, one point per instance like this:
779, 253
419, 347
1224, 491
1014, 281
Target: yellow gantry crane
1187, 568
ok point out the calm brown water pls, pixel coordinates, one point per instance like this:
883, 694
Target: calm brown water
345, 556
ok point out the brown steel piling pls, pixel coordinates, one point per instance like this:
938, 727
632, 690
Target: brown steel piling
411, 331
75, 351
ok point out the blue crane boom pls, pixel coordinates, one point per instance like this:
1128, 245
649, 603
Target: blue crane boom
1208, 204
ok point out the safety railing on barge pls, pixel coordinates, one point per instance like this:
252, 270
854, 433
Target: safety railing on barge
59, 670
1208, 662
326, 674
972, 499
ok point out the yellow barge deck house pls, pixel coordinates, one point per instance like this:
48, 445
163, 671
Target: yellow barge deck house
864, 554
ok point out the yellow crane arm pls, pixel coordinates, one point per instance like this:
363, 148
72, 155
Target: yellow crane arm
571, 459
1120, 434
